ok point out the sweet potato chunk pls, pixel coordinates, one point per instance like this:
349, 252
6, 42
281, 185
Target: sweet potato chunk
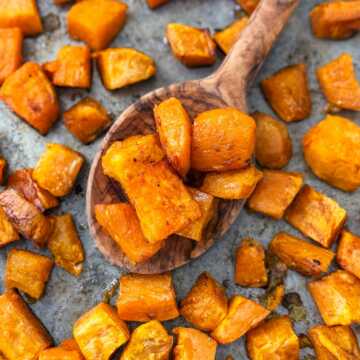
3, 165
147, 297
70, 344
248, 5
274, 339
120, 67
21, 180
337, 297
193, 344
275, 192
155, 3
60, 353
22, 334
87, 119
72, 68
301, 256
8, 234
174, 127
57, 169
192, 46
25, 217
223, 139
288, 93
273, 147
29, 93
316, 216
97, 22
243, 315
206, 304
22, 14
122, 224
148, 341
348, 253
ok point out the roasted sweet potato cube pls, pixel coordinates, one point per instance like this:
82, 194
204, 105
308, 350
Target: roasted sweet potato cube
248, 5
72, 67
70, 344
301, 256
147, 297
29, 93
337, 297
193, 344
97, 22
26, 218
121, 223
87, 119
21, 180
174, 127
334, 342
8, 233
57, 169
206, 304
60, 353
223, 139
250, 268
288, 93
22, 14
273, 148
3, 165
316, 216
348, 253
275, 192
148, 341
274, 339
155, 3
192, 46
243, 315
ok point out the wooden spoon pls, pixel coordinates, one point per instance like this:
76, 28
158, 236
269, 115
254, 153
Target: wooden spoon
226, 87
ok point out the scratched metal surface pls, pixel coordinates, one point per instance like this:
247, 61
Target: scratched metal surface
66, 297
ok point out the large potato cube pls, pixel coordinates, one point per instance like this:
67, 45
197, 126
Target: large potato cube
348, 253
8, 234
248, 5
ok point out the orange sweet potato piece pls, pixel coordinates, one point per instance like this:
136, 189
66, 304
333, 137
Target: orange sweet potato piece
348, 253
243, 315
60, 353
3, 165
174, 127
29, 93
274, 339
316, 216
70, 344
192, 46
87, 119
206, 304
250, 268
57, 169
248, 5
8, 234
22, 334
97, 22
288, 93
155, 3
223, 139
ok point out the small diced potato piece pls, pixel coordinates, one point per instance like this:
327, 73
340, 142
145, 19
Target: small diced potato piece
100, 332
273, 298
155, 3
274, 339
193, 344
97, 22
337, 297
275, 192
57, 169
87, 119
148, 341
3, 165
26, 218
227, 38
65, 244
121, 223
348, 253
250, 269
174, 127
248, 5
206, 304
192, 46
288, 93
60, 353
8, 233
223, 139
72, 68
334, 342
21, 180
273, 147
120, 67
339, 83
243, 315
301, 256
30, 94
22, 334
22, 14
316, 216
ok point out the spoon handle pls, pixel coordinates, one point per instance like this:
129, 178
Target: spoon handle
243, 62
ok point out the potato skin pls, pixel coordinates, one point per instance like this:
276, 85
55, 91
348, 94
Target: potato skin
8, 234
348, 253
